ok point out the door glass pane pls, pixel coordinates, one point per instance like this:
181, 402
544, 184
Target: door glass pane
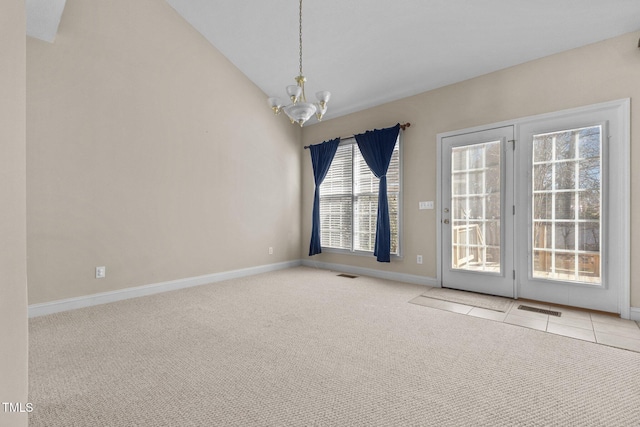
475, 214
542, 235
566, 205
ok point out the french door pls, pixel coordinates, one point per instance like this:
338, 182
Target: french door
476, 211
566, 190
539, 209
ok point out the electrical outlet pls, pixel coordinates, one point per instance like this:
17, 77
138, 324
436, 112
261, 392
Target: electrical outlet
101, 272
419, 259
270, 250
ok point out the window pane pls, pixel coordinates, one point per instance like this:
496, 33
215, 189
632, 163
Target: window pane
364, 180
338, 179
542, 149
589, 267
565, 175
393, 173
567, 197
589, 236
542, 178
476, 155
565, 236
476, 207
542, 264
564, 145
492, 156
589, 204
565, 265
589, 174
365, 210
565, 206
492, 205
492, 233
336, 203
459, 183
458, 160
589, 143
475, 182
542, 206
335, 221
394, 215
542, 237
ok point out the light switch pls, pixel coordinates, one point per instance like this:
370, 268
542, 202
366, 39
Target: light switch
425, 205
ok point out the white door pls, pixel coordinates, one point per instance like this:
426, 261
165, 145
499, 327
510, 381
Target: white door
545, 218
477, 211
568, 208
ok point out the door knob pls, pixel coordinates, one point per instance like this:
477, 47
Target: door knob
446, 210
446, 221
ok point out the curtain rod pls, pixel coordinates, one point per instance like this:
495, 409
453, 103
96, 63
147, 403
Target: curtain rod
403, 127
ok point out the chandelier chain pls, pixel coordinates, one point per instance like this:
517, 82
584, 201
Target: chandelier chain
300, 33
299, 111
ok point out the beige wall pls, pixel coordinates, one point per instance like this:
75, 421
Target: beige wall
13, 269
596, 73
151, 154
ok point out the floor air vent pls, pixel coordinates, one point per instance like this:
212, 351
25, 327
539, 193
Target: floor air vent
540, 310
349, 276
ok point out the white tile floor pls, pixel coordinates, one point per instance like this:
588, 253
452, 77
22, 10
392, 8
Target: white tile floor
580, 324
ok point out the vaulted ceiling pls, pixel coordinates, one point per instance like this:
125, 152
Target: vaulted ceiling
371, 52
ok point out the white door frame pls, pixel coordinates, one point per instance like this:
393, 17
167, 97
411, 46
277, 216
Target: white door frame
619, 175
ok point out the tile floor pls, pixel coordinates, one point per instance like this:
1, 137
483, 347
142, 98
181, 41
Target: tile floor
584, 325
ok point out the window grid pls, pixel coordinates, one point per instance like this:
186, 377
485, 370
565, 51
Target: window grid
475, 240
562, 258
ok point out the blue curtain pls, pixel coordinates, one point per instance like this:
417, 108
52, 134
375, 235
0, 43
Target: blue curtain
321, 158
377, 147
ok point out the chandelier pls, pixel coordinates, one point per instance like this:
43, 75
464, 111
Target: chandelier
299, 111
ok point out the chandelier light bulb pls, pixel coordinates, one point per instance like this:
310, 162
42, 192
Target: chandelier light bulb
294, 93
275, 105
323, 96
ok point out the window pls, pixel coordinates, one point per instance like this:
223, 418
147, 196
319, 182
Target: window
476, 206
349, 201
567, 204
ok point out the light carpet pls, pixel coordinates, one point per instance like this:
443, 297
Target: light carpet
305, 347
490, 302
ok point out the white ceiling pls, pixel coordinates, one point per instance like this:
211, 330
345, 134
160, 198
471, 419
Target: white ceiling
368, 52
43, 18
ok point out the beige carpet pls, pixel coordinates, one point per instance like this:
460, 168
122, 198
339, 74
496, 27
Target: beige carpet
305, 347
489, 302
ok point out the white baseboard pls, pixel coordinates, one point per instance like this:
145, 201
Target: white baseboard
42, 309
389, 275
634, 314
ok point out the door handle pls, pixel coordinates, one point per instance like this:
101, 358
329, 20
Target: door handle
446, 221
